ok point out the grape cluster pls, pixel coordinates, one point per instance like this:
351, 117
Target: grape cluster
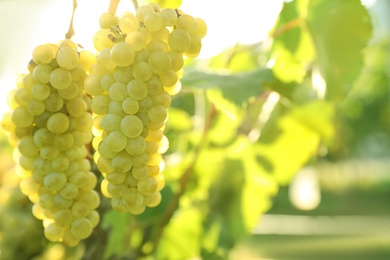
138, 68
50, 125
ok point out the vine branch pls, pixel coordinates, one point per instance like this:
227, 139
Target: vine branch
70, 31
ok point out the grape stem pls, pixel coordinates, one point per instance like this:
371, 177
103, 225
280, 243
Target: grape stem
71, 32
113, 6
135, 3
170, 210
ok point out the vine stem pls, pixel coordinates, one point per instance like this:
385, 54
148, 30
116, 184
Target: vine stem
70, 32
113, 6
170, 210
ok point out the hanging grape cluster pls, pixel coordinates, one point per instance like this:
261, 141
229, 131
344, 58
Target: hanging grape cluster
139, 64
50, 126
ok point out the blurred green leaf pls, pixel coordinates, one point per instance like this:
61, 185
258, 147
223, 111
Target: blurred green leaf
181, 238
340, 31
294, 144
179, 120
115, 221
231, 91
292, 49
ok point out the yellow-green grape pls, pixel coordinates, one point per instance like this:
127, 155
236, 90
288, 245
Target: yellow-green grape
139, 65
50, 126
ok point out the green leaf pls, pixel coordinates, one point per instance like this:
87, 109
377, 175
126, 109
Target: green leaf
340, 31
115, 222
181, 238
292, 49
230, 90
295, 141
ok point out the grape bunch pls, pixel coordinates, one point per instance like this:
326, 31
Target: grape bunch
50, 125
138, 68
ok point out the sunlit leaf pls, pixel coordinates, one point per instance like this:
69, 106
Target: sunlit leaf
340, 30
181, 238
292, 48
168, 3
115, 221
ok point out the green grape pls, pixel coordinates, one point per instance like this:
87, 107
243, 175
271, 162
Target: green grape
145, 104
35, 107
21, 117
131, 126
63, 217
140, 160
157, 113
104, 59
102, 40
70, 92
75, 107
130, 106
142, 11
179, 40
177, 60
118, 91
46, 201
41, 73
122, 162
140, 173
70, 191
147, 186
169, 78
116, 190
42, 54
27, 147
67, 58
160, 62
55, 181
137, 89
122, 74
107, 80
107, 20
116, 177
136, 40
54, 102
100, 104
153, 200
116, 108
132, 198
81, 228
186, 22
92, 85
128, 22
60, 78
116, 141
142, 71
79, 210
105, 151
122, 54
201, 28
94, 218
136, 146
54, 232
40, 92
196, 45
60, 163
58, 123
22, 96
169, 16
157, 45
111, 122
153, 21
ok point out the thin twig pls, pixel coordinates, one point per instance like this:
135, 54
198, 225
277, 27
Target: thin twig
70, 32
183, 181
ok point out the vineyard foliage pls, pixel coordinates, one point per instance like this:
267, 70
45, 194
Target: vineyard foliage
244, 123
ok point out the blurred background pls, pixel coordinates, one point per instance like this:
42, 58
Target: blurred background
333, 201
